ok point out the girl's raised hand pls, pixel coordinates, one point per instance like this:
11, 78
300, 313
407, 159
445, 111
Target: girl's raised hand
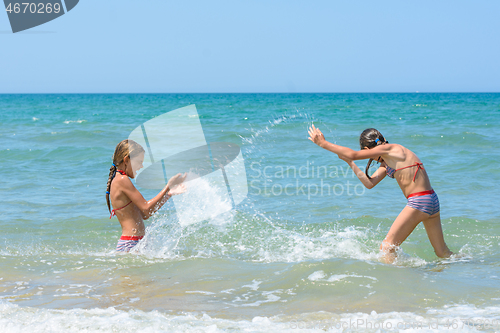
178, 189
316, 136
176, 180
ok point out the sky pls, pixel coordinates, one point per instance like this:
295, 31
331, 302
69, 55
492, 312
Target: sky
236, 46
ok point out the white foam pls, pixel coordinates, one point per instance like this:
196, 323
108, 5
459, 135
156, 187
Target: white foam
337, 277
297, 247
270, 298
74, 121
254, 286
464, 318
199, 292
318, 275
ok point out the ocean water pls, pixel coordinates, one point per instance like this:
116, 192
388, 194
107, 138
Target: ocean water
300, 253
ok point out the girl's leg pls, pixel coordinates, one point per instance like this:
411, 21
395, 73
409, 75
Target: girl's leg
435, 233
402, 227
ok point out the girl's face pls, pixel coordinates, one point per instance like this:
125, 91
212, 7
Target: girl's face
136, 163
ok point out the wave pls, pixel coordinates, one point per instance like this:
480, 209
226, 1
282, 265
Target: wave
452, 318
239, 235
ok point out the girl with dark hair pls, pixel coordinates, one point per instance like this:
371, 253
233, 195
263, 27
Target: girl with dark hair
134, 209
403, 165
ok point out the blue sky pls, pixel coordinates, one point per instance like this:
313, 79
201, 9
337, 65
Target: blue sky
164, 46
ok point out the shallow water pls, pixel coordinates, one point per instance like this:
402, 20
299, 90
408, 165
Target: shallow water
300, 252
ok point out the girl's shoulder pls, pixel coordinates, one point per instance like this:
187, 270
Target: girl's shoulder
121, 180
397, 152
395, 145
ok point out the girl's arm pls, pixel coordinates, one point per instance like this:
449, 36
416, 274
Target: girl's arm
148, 208
318, 138
369, 183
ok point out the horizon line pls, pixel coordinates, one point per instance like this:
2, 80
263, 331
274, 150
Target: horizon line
242, 93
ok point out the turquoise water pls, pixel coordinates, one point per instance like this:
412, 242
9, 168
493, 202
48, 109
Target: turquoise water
300, 252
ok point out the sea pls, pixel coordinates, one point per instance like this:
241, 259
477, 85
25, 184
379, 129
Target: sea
300, 253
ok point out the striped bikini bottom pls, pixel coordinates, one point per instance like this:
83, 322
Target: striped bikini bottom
126, 243
426, 201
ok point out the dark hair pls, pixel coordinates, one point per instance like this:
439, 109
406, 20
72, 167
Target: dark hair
122, 150
369, 139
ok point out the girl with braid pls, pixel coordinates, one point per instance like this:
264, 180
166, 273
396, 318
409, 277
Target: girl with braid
403, 165
133, 208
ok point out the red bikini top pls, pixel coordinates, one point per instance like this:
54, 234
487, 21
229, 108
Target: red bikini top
390, 171
114, 210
